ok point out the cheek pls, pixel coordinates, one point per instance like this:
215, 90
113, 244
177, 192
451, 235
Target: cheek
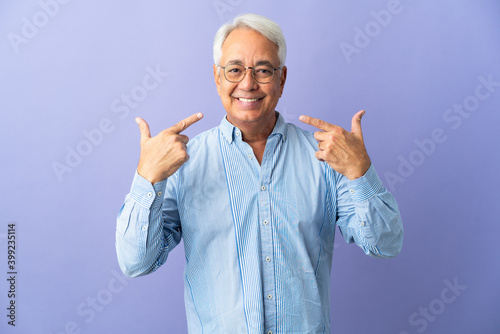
226, 90
275, 91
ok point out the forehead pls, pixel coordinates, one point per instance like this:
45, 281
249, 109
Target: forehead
248, 45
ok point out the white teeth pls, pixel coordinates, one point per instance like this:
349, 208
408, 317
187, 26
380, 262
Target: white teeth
247, 100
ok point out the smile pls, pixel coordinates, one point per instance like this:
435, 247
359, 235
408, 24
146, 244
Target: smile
242, 99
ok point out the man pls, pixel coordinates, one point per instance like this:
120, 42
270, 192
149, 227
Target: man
258, 200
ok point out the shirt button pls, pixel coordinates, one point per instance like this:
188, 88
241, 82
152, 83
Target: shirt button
270, 332
237, 133
362, 224
265, 222
269, 297
352, 191
268, 259
263, 187
250, 156
150, 194
144, 228
159, 193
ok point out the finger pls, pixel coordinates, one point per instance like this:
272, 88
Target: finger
185, 123
320, 155
323, 135
322, 125
356, 123
183, 139
144, 128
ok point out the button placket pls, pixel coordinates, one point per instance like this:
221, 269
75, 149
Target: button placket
265, 195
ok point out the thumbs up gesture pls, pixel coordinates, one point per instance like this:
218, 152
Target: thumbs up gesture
344, 151
164, 154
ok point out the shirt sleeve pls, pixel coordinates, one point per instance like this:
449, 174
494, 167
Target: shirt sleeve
368, 215
148, 226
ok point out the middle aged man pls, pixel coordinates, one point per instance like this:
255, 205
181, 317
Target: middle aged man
258, 201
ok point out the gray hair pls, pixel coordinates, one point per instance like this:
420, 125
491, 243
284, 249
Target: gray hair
270, 29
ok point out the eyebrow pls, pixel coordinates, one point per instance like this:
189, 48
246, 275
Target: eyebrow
264, 62
259, 63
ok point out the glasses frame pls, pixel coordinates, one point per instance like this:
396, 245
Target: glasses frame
253, 73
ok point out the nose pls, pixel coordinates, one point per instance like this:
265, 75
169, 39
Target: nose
248, 83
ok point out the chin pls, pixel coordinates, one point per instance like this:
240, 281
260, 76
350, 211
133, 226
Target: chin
247, 115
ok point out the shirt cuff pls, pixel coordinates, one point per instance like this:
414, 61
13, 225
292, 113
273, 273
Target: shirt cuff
365, 187
146, 194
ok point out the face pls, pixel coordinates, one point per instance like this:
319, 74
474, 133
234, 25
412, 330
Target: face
249, 103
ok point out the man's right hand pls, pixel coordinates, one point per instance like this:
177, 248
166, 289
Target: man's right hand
164, 154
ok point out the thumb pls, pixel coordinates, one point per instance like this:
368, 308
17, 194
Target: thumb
144, 128
356, 124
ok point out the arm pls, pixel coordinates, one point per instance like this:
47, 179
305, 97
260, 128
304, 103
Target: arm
368, 215
366, 212
148, 227
148, 224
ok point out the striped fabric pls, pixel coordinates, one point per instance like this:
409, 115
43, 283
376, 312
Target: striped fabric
258, 239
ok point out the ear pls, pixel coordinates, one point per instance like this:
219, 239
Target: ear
282, 79
217, 78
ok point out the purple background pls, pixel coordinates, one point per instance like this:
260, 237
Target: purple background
68, 75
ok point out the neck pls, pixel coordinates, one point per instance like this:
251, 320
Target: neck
258, 131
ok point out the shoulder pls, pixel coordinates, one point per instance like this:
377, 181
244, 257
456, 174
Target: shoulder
300, 137
204, 139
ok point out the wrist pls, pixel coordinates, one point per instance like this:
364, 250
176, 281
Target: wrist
359, 172
153, 179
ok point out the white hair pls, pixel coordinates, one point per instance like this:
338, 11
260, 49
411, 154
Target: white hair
268, 28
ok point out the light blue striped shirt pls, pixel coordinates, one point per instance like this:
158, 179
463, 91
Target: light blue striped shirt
258, 239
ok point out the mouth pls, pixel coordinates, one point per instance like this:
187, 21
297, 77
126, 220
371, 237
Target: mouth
242, 99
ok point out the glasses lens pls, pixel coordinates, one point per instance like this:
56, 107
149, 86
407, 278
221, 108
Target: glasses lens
234, 73
263, 74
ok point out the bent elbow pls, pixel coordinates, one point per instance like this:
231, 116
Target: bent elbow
389, 249
131, 269
129, 272
131, 263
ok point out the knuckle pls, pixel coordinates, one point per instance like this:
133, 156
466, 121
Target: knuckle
337, 131
168, 139
180, 145
184, 156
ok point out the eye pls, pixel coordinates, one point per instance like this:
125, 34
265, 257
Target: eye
263, 71
233, 70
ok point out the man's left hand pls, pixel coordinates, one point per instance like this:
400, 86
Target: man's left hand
344, 151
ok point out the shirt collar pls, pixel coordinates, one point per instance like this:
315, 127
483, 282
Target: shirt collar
229, 130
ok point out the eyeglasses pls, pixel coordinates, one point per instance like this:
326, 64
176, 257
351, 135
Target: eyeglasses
261, 73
